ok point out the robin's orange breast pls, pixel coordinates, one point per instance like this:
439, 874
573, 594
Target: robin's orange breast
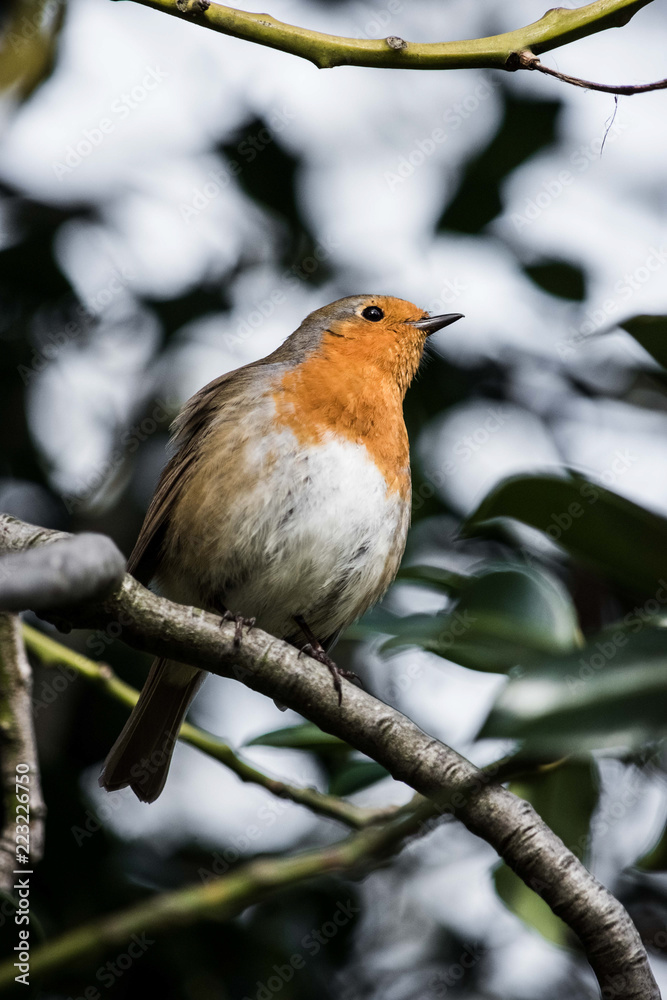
340, 391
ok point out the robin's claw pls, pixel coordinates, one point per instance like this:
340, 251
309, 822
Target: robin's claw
336, 672
350, 675
319, 654
315, 649
240, 622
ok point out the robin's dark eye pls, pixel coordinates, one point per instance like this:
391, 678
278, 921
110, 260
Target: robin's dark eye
373, 313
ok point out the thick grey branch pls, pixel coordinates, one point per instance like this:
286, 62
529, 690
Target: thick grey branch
510, 825
67, 571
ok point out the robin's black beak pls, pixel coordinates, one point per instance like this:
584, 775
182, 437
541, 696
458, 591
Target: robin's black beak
433, 323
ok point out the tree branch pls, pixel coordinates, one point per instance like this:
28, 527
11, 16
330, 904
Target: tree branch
68, 570
268, 665
17, 746
221, 898
557, 27
526, 60
51, 652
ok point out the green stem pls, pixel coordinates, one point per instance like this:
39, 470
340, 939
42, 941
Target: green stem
557, 27
51, 653
220, 899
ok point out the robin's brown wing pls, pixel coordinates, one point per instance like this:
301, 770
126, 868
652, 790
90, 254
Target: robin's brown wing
189, 428
146, 553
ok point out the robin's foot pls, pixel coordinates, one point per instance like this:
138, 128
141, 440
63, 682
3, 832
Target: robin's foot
240, 621
316, 650
336, 672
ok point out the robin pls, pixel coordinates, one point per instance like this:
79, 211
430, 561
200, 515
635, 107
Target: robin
286, 502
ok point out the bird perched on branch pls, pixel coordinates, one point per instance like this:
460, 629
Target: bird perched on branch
286, 502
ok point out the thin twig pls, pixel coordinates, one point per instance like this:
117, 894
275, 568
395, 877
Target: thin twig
220, 898
527, 60
51, 652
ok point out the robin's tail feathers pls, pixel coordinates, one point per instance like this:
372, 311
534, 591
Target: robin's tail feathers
141, 755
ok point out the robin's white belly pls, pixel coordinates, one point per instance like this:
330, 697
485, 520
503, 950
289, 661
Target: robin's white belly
317, 535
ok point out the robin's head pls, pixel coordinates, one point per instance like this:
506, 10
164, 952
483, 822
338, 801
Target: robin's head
370, 332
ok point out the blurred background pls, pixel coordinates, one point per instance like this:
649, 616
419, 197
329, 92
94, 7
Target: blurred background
173, 202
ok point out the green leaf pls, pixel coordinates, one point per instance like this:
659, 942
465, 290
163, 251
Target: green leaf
434, 576
506, 616
651, 333
355, 775
565, 797
618, 538
527, 126
612, 693
559, 278
377, 621
528, 906
345, 775
655, 860
306, 736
